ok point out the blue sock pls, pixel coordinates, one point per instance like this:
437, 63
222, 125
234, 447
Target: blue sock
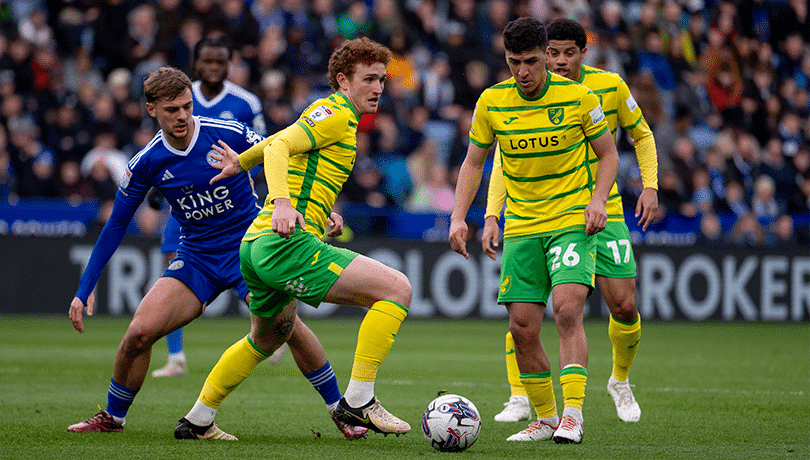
119, 398
175, 341
325, 382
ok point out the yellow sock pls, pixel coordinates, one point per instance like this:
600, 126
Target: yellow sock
512, 371
375, 338
233, 368
625, 338
540, 392
572, 379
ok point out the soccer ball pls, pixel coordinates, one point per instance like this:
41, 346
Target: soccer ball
451, 423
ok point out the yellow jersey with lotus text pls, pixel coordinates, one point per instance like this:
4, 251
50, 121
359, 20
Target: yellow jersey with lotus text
544, 148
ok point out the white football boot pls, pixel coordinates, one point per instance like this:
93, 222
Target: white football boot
626, 405
516, 409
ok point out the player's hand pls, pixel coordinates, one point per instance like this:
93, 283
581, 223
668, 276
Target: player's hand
647, 207
285, 217
76, 310
458, 237
595, 217
227, 162
491, 236
335, 221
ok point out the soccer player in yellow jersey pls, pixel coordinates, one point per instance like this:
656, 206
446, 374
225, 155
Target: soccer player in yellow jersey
283, 258
548, 127
615, 264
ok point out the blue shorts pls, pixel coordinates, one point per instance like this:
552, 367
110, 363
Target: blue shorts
170, 243
208, 274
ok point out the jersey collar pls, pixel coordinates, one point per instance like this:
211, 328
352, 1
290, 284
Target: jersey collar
348, 103
542, 92
208, 103
194, 137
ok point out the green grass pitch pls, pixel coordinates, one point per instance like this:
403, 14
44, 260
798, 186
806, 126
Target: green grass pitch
707, 390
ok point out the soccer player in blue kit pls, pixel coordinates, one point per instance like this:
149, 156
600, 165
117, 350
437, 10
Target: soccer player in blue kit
213, 218
214, 97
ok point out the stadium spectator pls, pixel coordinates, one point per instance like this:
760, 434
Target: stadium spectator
56, 54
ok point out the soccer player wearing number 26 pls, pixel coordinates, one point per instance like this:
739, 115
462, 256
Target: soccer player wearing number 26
615, 264
283, 258
545, 126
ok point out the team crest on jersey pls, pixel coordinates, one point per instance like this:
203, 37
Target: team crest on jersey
226, 115
506, 283
211, 160
176, 265
321, 112
126, 178
556, 115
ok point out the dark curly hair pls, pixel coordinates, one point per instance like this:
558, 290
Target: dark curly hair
568, 29
360, 50
525, 34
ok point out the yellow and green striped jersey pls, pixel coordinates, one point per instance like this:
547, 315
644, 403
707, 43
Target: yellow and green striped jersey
622, 110
544, 145
316, 174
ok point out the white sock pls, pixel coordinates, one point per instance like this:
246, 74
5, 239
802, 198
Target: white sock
358, 393
121, 420
573, 412
177, 356
201, 415
331, 407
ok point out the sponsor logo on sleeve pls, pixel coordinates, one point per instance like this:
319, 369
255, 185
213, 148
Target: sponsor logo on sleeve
321, 113
125, 179
631, 103
309, 121
597, 114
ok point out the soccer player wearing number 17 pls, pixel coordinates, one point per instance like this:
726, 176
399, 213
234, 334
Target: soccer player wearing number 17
546, 126
615, 265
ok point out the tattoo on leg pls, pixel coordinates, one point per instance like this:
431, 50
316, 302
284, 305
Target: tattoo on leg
283, 328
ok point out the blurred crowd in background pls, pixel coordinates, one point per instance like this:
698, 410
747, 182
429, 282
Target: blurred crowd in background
724, 86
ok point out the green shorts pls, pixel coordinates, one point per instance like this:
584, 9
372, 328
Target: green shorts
531, 266
278, 270
614, 254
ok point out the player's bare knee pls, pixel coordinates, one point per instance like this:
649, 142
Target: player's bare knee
400, 289
568, 321
624, 310
138, 339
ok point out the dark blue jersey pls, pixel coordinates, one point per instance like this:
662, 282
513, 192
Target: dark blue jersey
232, 103
213, 217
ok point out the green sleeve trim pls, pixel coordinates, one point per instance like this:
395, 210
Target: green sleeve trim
536, 375
597, 136
574, 370
309, 133
264, 353
483, 146
627, 128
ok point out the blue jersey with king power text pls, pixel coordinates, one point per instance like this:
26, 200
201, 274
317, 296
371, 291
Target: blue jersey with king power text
214, 217
232, 103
